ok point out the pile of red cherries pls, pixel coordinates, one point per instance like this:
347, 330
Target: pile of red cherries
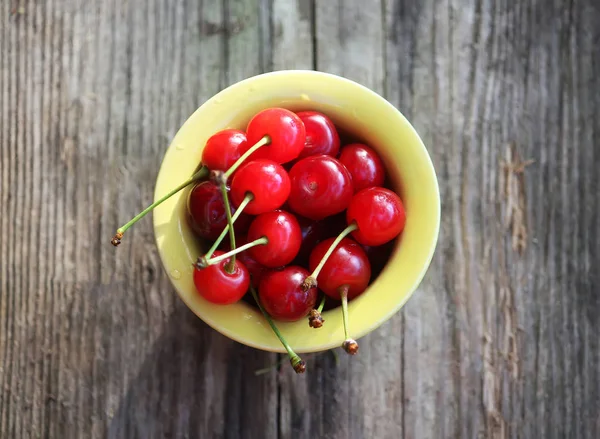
288, 212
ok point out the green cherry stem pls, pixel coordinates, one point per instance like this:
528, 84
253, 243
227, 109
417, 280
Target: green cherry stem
249, 197
198, 175
349, 345
344, 295
269, 368
311, 281
322, 304
265, 140
297, 363
230, 254
336, 357
230, 266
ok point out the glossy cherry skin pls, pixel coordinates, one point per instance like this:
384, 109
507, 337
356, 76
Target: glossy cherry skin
286, 131
214, 284
320, 187
266, 180
364, 165
283, 232
379, 214
223, 149
347, 265
206, 212
321, 135
255, 269
282, 295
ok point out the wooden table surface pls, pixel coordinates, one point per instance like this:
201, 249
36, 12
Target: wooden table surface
501, 339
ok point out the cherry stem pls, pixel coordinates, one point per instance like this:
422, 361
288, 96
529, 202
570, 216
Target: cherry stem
311, 281
265, 140
260, 241
198, 175
297, 363
230, 266
322, 304
249, 197
269, 368
336, 357
350, 345
344, 295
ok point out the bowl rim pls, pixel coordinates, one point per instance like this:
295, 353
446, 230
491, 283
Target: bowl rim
365, 329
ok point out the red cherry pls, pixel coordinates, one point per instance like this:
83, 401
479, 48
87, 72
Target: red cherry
283, 233
379, 215
268, 183
285, 130
216, 285
347, 265
206, 212
282, 295
321, 135
320, 187
364, 165
223, 149
255, 269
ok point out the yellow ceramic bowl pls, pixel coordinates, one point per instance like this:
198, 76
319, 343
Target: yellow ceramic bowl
353, 107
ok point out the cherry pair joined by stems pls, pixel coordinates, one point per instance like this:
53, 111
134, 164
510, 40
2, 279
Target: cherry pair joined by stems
375, 216
266, 179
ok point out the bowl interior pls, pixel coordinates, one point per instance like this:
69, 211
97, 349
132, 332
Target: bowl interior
355, 109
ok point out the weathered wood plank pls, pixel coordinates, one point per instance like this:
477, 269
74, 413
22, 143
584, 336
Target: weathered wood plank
116, 82
519, 372
293, 34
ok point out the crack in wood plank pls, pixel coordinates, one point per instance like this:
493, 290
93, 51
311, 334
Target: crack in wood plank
513, 188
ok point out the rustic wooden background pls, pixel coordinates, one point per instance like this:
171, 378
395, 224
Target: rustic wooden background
501, 340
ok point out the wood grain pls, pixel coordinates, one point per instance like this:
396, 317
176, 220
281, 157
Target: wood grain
501, 339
